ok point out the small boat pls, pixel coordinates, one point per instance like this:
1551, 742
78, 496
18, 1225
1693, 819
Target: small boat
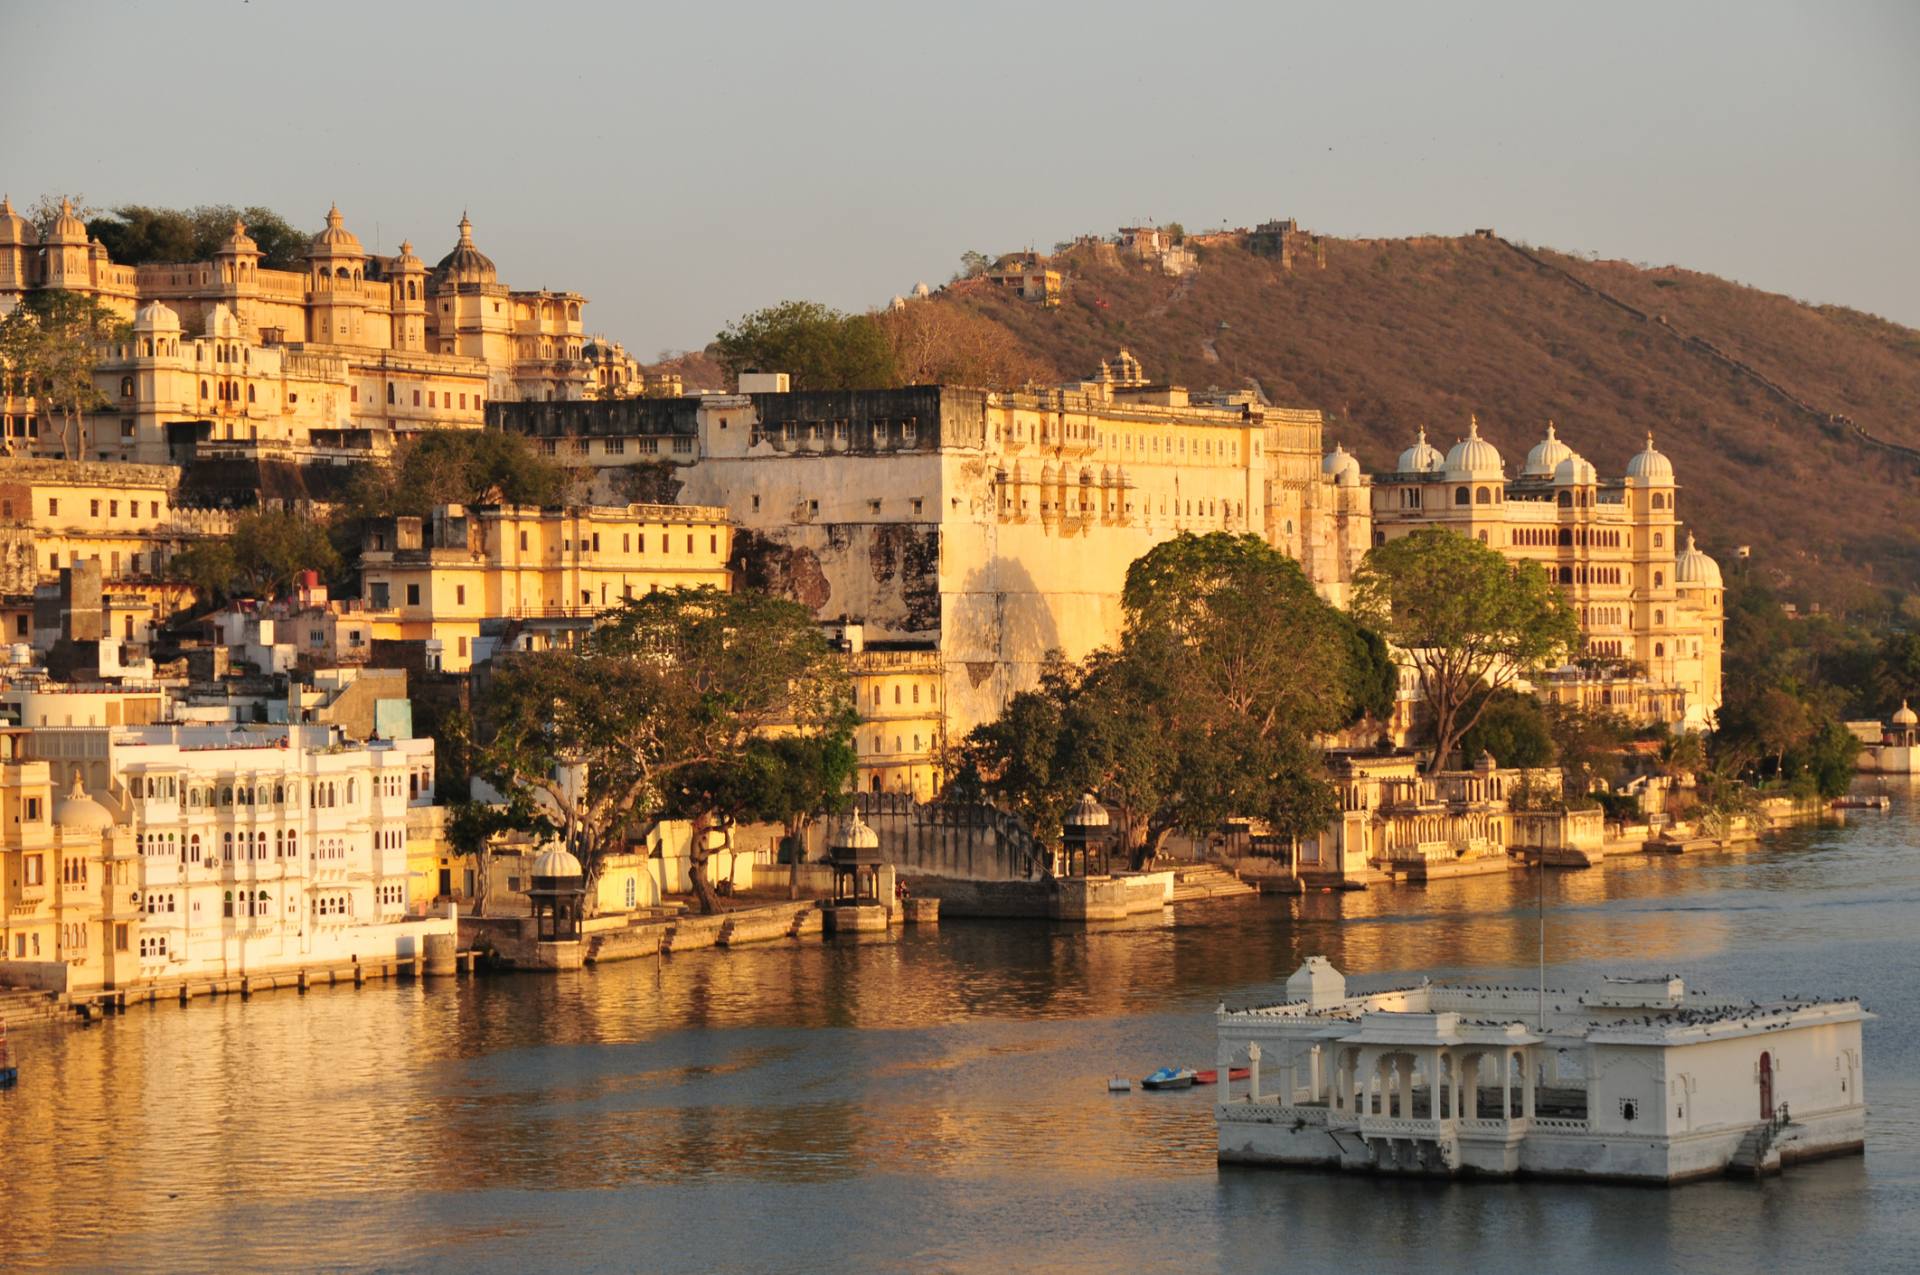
1879, 801
1210, 1076
1119, 1084
1169, 1078
9, 1074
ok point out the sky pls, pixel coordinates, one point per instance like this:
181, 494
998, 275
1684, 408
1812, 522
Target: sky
682, 165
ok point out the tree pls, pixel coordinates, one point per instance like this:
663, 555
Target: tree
974, 264
818, 346
1514, 729
457, 466
49, 348
137, 234
1587, 744
263, 557
1247, 666
939, 343
1468, 620
658, 710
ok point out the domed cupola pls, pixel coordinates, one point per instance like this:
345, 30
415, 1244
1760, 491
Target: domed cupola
1651, 466
67, 228
1546, 455
1694, 569
78, 813
466, 263
1575, 471
1474, 457
1421, 458
15, 230
1341, 466
336, 240
1905, 716
155, 317
239, 243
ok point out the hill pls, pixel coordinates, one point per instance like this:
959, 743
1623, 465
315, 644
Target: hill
1795, 429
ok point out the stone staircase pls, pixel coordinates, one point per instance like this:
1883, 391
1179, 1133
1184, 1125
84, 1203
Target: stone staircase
24, 1007
1194, 883
1757, 1154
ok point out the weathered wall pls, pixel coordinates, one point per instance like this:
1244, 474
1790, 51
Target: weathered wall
945, 839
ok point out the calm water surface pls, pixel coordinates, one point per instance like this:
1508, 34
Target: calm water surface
936, 1103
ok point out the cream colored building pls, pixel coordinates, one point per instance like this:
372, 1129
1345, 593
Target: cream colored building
347, 353
441, 580
1614, 546
187, 851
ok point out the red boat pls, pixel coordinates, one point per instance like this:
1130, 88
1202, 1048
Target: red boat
1210, 1076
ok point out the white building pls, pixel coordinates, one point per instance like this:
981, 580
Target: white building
213, 850
1637, 1080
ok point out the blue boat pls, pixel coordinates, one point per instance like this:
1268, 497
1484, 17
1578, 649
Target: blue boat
9, 1074
1169, 1078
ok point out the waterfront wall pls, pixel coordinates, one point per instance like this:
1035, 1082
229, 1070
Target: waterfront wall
951, 839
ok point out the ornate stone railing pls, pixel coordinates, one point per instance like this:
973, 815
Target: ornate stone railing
1546, 1124
1387, 1126
1272, 1113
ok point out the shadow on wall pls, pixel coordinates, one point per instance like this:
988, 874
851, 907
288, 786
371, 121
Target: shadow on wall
1000, 628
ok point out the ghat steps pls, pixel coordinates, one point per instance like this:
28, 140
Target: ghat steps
1201, 881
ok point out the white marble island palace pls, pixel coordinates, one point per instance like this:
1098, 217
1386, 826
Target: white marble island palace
1635, 1080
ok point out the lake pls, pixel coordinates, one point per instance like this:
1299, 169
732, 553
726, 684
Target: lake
938, 1102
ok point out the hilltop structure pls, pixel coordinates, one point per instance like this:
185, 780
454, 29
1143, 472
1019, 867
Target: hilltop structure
226, 355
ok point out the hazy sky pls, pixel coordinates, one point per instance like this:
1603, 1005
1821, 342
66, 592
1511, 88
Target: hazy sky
683, 164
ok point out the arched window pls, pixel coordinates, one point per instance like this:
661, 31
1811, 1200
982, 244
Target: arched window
1461, 496
1659, 500
352, 788
126, 387
1659, 541
413, 291
633, 893
1659, 617
1483, 496
1566, 500
226, 904
1659, 579
1566, 535
203, 389
250, 395
1659, 649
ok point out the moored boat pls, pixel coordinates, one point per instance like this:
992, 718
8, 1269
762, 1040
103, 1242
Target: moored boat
1169, 1078
9, 1074
1210, 1076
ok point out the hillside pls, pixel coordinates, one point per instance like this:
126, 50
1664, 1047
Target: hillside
1392, 334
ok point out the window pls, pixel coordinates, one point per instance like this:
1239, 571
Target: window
33, 810
120, 937
813, 509
413, 595
1461, 496
33, 869
53, 506
460, 594
916, 504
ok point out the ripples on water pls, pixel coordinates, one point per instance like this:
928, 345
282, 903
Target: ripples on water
933, 1103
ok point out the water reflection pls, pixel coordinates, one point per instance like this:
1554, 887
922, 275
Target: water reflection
946, 1090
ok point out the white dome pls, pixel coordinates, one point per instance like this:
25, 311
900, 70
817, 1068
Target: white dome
1904, 716
155, 317
221, 323
557, 862
1421, 458
1546, 455
1089, 813
1650, 465
1474, 457
856, 835
1340, 465
1695, 568
1575, 471
77, 812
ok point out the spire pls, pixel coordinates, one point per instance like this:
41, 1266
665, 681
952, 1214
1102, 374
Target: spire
334, 219
1423, 436
466, 230
66, 206
1551, 436
1473, 424
239, 228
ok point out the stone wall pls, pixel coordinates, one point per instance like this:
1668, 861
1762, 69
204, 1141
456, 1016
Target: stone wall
951, 839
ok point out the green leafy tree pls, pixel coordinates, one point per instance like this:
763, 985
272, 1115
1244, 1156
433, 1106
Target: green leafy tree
656, 709
137, 234
1587, 744
1468, 621
264, 555
49, 349
1514, 728
818, 346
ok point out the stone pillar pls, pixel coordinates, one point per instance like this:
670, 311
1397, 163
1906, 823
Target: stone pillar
1526, 1087
1253, 1072
1313, 1073
441, 955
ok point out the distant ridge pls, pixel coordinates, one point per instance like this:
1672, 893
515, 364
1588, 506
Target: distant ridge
1795, 428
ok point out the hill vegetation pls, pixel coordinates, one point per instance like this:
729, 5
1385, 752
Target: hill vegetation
1389, 335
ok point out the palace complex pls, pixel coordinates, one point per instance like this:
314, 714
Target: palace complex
226, 356
983, 529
